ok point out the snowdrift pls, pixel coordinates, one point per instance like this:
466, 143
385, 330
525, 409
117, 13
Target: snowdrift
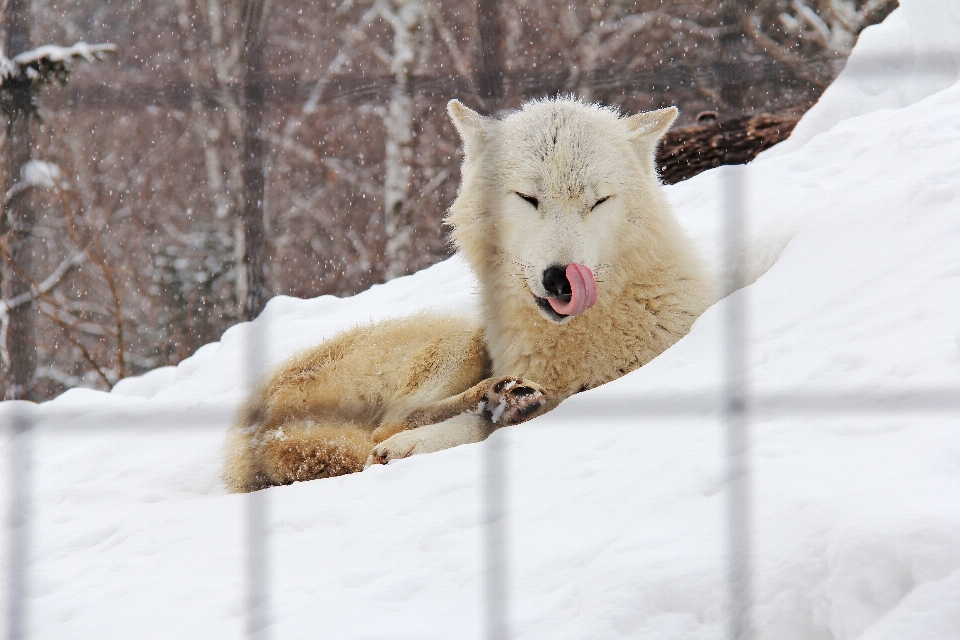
613, 511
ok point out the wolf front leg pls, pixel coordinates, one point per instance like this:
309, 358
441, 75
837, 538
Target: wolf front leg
503, 401
465, 418
463, 429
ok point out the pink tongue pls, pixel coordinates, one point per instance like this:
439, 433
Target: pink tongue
583, 291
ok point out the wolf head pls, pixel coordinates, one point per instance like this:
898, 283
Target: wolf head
558, 202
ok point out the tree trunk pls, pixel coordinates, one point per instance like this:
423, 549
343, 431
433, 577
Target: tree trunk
19, 216
407, 21
490, 67
253, 294
732, 90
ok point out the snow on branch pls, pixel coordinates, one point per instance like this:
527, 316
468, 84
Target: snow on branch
49, 62
39, 174
55, 53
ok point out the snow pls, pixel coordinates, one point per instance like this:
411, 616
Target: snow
613, 518
8, 68
56, 53
39, 173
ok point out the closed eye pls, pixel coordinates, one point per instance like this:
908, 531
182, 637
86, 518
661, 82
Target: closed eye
599, 202
530, 199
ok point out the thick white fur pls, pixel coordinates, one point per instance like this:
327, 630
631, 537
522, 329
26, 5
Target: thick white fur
568, 156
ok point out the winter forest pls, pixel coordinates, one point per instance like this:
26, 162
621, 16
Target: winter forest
196, 157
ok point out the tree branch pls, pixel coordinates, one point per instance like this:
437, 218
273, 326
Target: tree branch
36, 290
49, 62
796, 63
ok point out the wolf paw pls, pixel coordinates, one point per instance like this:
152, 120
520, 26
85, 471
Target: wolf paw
511, 400
401, 445
393, 448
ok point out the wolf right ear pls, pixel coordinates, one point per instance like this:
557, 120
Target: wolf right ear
651, 124
471, 125
644, 131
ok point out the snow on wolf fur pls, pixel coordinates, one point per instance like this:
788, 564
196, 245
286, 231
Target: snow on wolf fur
584, 276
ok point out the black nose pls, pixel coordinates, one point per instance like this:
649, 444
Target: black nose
556, 283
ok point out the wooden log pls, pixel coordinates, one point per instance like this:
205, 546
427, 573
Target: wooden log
686, 151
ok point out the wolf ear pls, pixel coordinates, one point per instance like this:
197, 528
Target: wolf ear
471, 125
651, 125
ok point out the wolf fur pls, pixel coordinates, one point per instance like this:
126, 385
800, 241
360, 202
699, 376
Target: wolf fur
557, 183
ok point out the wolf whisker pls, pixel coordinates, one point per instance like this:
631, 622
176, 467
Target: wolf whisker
523, 264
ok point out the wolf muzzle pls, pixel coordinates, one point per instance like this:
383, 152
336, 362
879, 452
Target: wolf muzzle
572, 290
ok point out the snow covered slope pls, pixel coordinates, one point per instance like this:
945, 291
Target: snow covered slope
614, 503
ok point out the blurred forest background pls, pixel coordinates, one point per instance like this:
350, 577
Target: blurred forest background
231, 150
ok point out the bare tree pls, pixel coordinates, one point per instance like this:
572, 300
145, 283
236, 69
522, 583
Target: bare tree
490, 67
408, 19
812, 37
254, 97
19, 218
732, 90
20, 77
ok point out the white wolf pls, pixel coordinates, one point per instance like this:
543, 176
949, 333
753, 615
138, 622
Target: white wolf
584, 275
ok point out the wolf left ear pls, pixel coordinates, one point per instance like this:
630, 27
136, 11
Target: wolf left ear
651, 125
471, 125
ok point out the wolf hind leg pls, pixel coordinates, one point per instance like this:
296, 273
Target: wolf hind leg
309, 452
293, 453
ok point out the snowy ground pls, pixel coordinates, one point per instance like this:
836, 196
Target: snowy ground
615, 503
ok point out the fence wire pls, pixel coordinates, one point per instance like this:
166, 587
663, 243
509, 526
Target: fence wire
736, 417
18, 522
257, 510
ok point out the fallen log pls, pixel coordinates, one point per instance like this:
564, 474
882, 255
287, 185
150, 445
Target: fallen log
686, 151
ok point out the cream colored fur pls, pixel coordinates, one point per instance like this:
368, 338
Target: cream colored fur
427, 383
